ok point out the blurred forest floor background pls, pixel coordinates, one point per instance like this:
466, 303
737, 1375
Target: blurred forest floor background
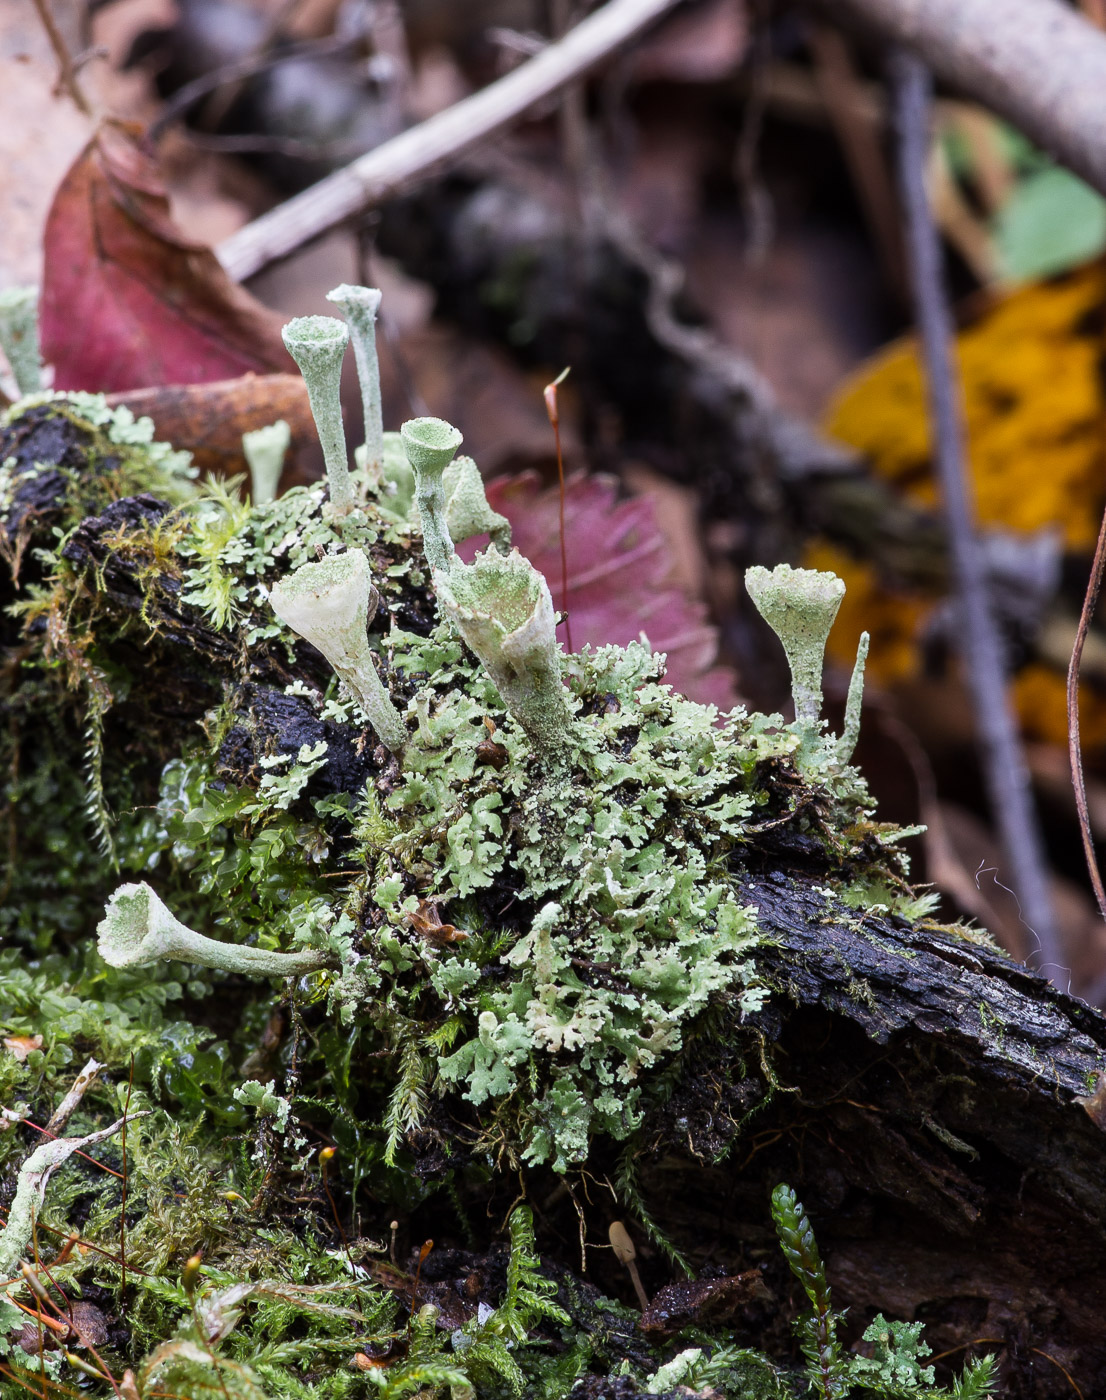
718, 200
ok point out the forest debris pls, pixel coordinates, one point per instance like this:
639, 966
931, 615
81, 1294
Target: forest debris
209, 419
1095, 1103
30, 1191
64, 1111
127, 300
702, 1303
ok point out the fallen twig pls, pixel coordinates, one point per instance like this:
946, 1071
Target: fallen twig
421, 151
1005, 770
1037, 63
1075, 748
64, 1111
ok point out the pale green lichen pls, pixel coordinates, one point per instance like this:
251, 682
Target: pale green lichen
138, 929
800, 606
467, 512
431, 444
265, 450
359, 306
502, 607
850, 733
331, 603
19, 337
318, 346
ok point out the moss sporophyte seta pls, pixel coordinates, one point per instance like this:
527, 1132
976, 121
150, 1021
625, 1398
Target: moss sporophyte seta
491, 879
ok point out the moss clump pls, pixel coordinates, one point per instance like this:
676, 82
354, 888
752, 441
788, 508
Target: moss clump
516, 952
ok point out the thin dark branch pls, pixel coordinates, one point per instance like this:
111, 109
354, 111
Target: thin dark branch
1004, 765
230, 73
67, 72
1075, 747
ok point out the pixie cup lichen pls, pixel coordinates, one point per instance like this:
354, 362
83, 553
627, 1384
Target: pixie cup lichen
265, 450
800, 606
330, 604
846, 745
502, 607
359, 306
137, 929
431, 444
19, 336
467, 512
318, 346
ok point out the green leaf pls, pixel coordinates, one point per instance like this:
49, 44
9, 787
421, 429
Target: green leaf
1052, 222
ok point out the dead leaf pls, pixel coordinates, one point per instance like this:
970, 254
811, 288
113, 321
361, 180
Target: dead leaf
22, 1045
427, 923
209, 419
127, 300
618, 570
1095, 1103
702, 1303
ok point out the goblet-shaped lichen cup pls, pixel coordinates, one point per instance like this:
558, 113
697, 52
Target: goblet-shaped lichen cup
800, 606
502, 607
431, 444
330, 603
138, 929
359, 306
318, 346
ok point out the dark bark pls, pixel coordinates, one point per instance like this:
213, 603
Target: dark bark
927, 1115
917, 1089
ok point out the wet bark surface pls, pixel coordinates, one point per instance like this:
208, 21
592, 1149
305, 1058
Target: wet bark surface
926, 1112
918, 1089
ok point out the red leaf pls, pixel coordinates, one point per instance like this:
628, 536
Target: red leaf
617, 565
127, 300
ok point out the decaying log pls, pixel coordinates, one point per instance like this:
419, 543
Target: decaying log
932, 1102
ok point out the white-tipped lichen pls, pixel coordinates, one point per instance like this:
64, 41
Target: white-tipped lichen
502, 607
800, 606
318, 346
359, 306
137, 929
330, 604
19, 337
467, 512
265, 450
431, 444
846, 745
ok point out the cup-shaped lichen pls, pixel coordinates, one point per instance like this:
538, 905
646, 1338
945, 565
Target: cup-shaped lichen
330, 604
359, 306
431, 444
502, 607
800, 606
137, 929
467, 511
19, 336
318, 346
265, 450
851, 732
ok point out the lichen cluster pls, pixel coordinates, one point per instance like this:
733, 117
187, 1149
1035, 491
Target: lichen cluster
513, 930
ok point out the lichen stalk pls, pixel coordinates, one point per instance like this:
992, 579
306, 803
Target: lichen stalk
359, 306
330, 604
138, 929
800, 606
265, 450
846, 745
431, 444
502, 607
318, 346
19, 337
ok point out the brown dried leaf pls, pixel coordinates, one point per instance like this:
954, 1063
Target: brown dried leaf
209, 419
22, 1045
127, 300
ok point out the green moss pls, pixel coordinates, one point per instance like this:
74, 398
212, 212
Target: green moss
524, 948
